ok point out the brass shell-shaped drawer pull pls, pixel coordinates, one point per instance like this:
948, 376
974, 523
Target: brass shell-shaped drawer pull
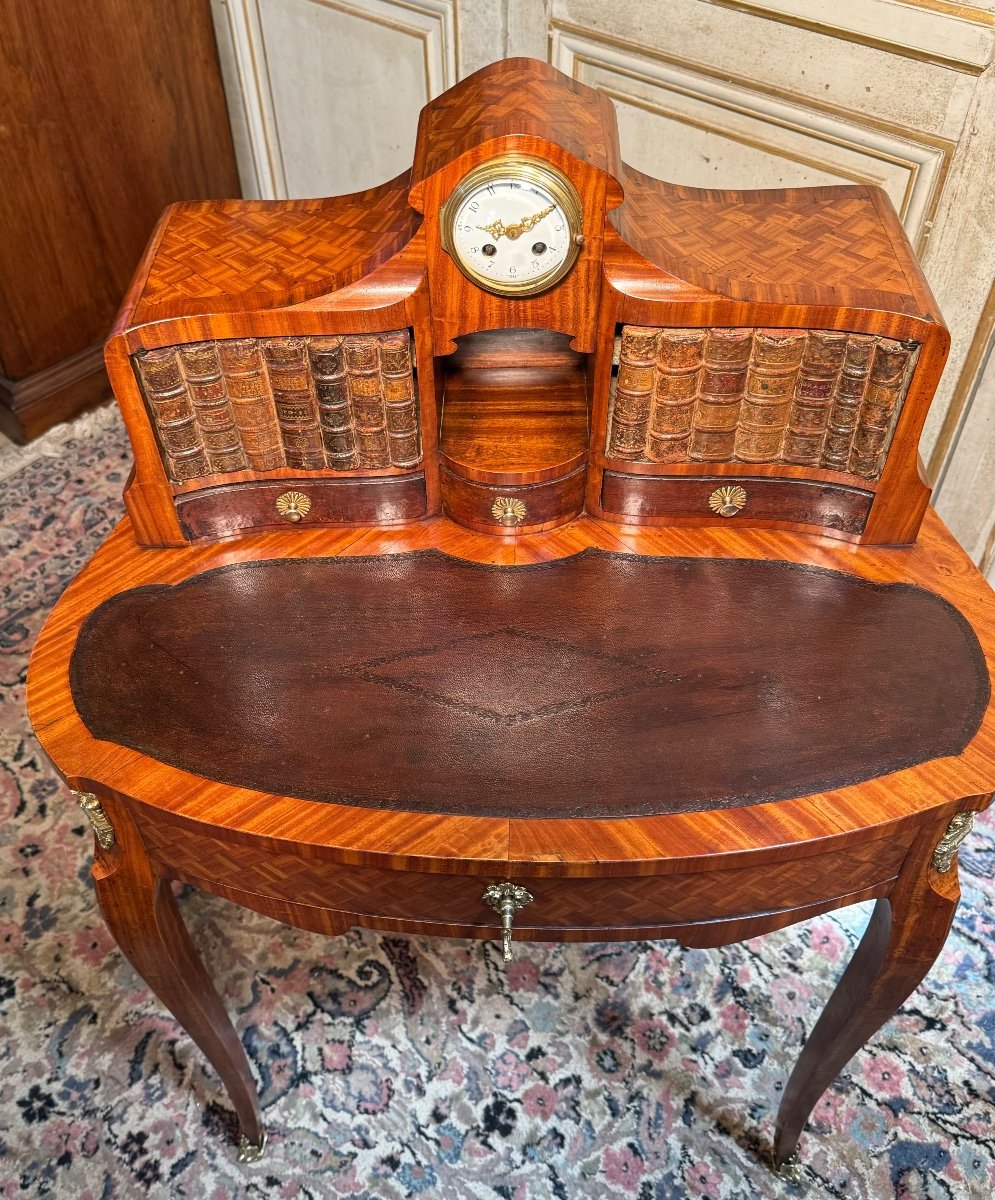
507, 899
295, 506
508, 510
727, 501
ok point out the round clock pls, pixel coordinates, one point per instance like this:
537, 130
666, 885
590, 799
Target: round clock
513, 225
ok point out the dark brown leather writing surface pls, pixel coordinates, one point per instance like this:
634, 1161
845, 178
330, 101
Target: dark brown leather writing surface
598, 685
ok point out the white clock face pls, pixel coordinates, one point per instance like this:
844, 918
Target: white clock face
514, 231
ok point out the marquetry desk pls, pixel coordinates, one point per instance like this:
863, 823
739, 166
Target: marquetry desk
528, 548
647, 734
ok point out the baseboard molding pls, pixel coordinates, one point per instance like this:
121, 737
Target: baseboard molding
30, 406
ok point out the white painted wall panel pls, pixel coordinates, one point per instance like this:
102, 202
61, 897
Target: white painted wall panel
346, 90
327, 92
942, 33
689, 126
830, 70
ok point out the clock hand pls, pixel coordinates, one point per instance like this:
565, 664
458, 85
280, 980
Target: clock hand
527, 223
498, 229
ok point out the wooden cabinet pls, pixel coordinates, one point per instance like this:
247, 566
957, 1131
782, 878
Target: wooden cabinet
111, 111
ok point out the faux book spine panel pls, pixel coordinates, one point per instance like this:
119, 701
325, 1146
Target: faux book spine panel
310, 403
816, 397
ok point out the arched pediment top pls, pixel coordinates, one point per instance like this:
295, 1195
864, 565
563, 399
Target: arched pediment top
517, 96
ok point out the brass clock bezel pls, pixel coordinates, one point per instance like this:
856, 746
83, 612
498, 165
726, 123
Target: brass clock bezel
530, 170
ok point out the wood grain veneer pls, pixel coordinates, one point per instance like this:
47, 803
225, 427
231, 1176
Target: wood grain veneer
514, 424
546, 505
109, 114
514, 429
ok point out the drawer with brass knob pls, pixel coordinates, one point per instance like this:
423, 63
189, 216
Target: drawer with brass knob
525, 907
236, 508
512, 508
739, 500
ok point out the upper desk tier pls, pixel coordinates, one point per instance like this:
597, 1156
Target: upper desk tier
522, 328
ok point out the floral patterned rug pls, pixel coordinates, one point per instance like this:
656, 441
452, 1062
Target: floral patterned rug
393, 1067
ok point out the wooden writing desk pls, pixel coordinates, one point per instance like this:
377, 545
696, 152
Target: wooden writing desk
740, 688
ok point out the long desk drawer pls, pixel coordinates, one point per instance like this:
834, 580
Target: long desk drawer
560, 909
652, 500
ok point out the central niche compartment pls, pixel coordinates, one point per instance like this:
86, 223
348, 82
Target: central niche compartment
514, 431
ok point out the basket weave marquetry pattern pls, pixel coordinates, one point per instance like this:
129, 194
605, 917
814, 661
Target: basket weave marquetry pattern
522, 98
816, 245
648, 900
236, 255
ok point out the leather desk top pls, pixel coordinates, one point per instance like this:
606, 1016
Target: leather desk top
597, 685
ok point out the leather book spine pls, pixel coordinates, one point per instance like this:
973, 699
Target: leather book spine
400, 406
770, 384
847, 400
296, 402
882, 400
169, 401
680, 354
720, 395
808, 418
251, 402
205, 381
331, 385
366, 394
633, 392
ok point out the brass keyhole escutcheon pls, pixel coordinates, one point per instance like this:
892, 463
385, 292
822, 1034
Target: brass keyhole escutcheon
727, 501
508, 510
295, 506
507, 899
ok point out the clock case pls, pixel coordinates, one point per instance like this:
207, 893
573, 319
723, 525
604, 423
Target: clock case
325, 362
520, 174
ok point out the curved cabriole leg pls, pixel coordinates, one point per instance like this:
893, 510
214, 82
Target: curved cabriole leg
141, 912
905, 935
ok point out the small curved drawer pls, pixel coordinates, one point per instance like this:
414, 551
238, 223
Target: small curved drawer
229, 511
513, 508
652, 500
